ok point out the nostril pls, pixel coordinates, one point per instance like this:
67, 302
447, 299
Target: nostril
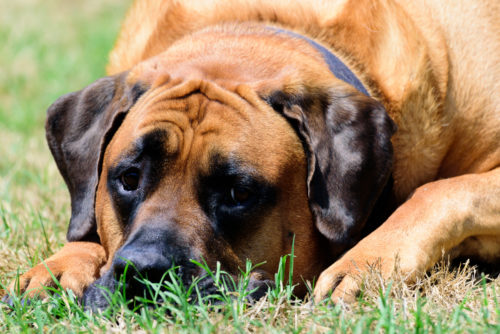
143, 265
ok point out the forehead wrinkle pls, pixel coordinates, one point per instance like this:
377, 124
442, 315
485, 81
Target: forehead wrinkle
191, 111
226, 94
185, 107
165, 110
185, 111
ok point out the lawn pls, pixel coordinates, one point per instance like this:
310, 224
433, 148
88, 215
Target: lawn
51, 47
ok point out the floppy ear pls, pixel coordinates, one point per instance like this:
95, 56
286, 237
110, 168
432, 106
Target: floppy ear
78, 127
346, 136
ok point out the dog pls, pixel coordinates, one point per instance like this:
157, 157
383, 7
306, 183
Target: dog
359, 131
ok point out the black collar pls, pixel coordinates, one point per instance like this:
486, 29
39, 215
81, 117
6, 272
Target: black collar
337, 67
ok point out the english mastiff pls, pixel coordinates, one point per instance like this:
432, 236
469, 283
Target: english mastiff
363, 130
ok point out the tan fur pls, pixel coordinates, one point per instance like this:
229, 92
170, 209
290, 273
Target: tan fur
451, 215
417, 87
433, 64
75, 266
196, 135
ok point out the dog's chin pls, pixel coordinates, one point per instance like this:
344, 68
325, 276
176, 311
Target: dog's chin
99, 295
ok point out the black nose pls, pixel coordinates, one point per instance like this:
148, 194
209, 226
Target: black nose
141, 262
150, 252
145, 255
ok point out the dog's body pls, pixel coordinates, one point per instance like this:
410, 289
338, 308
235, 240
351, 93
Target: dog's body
224, 93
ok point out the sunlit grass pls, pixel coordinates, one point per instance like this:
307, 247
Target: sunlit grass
49, 48
387, 306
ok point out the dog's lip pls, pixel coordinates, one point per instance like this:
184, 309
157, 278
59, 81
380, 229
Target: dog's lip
95, 297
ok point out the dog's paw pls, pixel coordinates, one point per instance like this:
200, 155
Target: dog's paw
342, 280
75, 267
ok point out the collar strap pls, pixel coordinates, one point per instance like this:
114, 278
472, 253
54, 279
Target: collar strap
337, 67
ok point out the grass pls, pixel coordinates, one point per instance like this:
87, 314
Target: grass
51, 47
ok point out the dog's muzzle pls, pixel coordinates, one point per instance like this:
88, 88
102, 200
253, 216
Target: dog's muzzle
148, 255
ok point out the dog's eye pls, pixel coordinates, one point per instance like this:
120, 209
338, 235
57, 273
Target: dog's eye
130, 179
239, 195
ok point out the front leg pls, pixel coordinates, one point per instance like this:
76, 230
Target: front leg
75, 266
457, 216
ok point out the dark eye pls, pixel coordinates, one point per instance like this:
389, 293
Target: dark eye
130, 179
239, 195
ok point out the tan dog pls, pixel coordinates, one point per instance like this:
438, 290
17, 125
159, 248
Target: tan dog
222, 133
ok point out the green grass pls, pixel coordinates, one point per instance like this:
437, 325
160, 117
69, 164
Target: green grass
229, 311
51, 47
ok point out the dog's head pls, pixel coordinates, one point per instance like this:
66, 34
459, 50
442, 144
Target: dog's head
221, 155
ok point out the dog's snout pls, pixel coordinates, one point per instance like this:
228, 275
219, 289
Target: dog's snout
146, 255
135, 261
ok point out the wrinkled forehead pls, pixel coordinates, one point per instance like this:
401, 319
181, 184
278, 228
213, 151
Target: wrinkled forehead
195, 122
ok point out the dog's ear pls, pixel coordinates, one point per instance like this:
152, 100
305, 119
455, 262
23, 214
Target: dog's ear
78, 127
346, 136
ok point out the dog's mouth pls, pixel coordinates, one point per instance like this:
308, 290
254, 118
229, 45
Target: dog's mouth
191, 283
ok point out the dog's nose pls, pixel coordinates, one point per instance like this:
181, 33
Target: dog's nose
144, 255
149, 253
141, 263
